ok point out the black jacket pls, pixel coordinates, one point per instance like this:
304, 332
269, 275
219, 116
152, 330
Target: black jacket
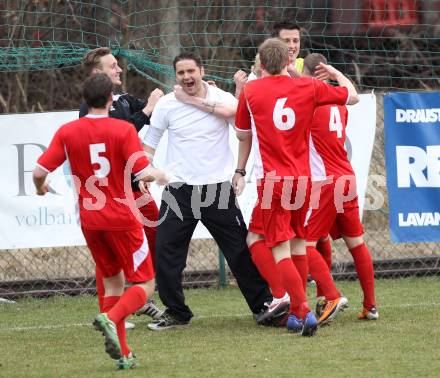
127, 108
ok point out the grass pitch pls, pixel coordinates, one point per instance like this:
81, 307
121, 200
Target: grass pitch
54, 338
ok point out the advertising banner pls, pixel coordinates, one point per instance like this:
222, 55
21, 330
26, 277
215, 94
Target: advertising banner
31, 221
412, 147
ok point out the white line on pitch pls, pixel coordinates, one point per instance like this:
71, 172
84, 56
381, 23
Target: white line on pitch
72, 325
46, 327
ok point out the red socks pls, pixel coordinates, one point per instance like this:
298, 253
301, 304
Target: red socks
99, 288
108, 304
302, 266
325, 249
292, 282
320, 273
365, 271
265, 263
133, 299
118, 308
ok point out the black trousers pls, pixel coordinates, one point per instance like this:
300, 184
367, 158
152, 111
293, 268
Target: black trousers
215, 205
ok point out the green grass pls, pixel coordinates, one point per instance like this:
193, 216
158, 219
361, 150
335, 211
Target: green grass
54, 338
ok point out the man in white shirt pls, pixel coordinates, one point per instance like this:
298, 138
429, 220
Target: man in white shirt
196, 116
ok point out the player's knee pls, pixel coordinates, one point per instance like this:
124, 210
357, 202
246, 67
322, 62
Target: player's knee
148, 286
297, 246
114, 285
353, 242
252, 237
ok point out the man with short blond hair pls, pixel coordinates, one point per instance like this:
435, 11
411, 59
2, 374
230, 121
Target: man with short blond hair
274, 56
290, 34
276, 112
92, 59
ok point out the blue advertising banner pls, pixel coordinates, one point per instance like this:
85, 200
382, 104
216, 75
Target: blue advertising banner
412, 151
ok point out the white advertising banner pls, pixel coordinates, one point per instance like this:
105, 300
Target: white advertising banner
31, 221
28, 220
361, 131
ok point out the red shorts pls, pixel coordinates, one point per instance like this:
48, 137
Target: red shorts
282, 210
256, 222
150, 212
114, 251
347, 223
148, 209
326, 219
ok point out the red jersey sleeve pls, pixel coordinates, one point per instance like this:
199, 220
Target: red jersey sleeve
242, 116
327, 94
132, 146
55, 155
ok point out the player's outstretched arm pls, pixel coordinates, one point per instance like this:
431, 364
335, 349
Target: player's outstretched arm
39, 177
151, 174
324, 71
218, 108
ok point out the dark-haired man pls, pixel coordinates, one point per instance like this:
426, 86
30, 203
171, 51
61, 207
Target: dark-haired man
290, 34
196, 116
115, 237
137, 112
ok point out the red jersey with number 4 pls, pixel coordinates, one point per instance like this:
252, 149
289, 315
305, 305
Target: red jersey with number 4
279, 111
97, 150
328, 156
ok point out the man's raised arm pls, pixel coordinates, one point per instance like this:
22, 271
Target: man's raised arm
327, 71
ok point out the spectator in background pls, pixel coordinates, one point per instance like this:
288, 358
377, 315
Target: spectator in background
290, 34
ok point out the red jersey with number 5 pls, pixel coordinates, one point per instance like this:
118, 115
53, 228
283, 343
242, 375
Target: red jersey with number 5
98, 149
279, 110
328, 156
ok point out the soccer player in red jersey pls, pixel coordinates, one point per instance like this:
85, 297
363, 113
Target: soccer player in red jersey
100, 151
276, 111
290, 34
138, 113
335, 183
261, 254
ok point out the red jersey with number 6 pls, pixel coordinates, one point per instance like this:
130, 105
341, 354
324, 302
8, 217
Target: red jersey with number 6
279, 110
328, 156
98, 149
